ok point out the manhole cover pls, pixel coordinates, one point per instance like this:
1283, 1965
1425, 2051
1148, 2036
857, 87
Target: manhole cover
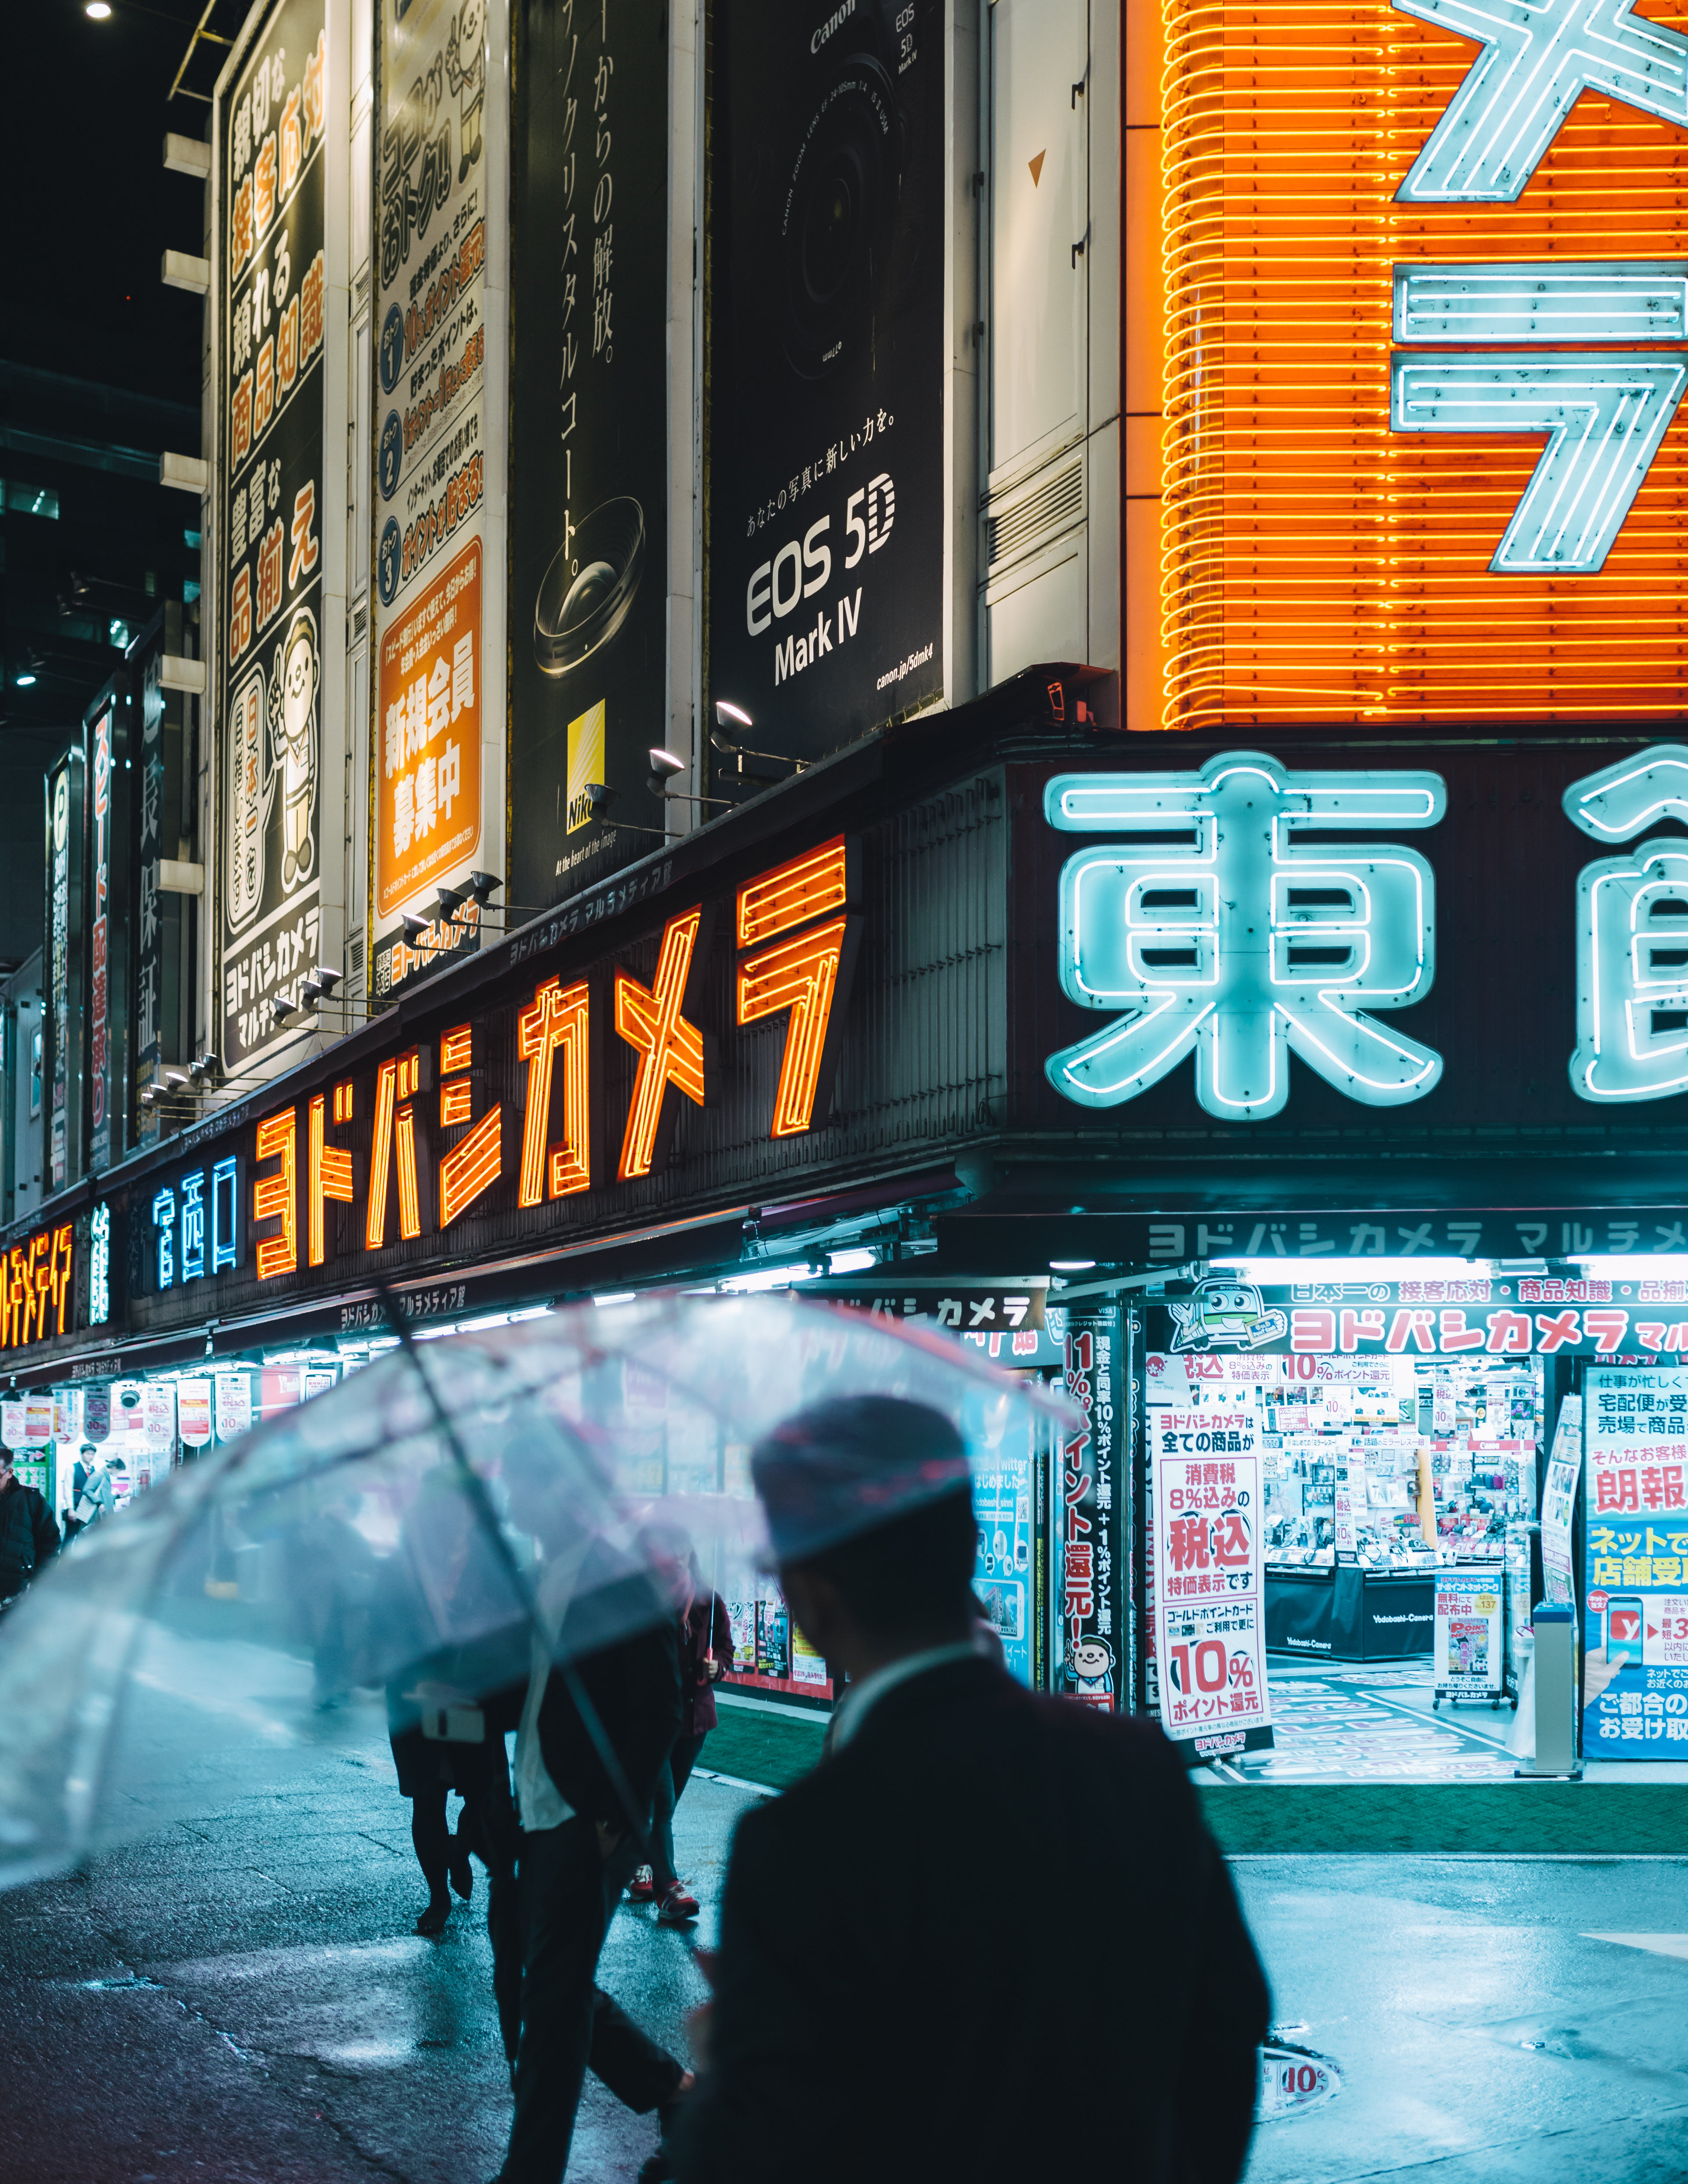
1293, 2080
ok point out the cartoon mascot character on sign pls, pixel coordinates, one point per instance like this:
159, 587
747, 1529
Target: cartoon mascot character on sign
465, 68
1091, 1663
294, 681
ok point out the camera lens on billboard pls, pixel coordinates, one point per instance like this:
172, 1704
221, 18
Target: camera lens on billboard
590, 586
838, 210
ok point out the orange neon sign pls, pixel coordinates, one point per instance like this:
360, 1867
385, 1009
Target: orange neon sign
397, 1084
803, 974
670, 1049
275, 1197
328, 1173
558, 1023
1299, 549
474, 1163
35, 1286
807, 886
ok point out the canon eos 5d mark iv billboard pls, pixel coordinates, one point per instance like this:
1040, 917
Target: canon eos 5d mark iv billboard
826, 494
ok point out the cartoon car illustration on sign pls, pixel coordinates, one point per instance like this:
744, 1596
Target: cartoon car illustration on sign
1226, 1315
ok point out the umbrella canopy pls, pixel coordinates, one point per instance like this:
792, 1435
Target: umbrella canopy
569, 1478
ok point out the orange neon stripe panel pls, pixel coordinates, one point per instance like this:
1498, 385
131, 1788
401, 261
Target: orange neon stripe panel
409, 1203
801, 976
1317, 567
381, 1157
556, 1022
670, 1049
809, 886
275, 1197
328, 1174
456, 1103
471, 1166
456, 1049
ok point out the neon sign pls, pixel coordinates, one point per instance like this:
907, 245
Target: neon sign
99, 1266
1632, 932
35, 1287
1244, 946
670, 1049
800, 975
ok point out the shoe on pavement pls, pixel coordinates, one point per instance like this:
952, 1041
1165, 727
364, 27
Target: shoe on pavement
462, 1873
676, 1907
432, 1920
643, 1888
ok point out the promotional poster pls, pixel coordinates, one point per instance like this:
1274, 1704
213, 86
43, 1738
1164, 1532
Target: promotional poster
272, 514
1470, 1658
826, 423
440, 196
1092, 1640
1209, 1584
1636, 1564
1558, 1501
588, 525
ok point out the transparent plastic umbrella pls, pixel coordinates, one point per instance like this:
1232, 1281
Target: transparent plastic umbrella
566, 1477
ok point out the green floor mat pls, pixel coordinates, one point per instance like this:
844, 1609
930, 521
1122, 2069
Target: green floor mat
1509, 1819
773, 1748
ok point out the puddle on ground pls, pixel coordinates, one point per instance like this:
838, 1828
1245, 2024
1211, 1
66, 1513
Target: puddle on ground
1293, 2079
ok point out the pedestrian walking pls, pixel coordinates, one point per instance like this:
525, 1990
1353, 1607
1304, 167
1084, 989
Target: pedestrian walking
705, 1646
578, 1842
28, 1534
884, 2024
92, 1490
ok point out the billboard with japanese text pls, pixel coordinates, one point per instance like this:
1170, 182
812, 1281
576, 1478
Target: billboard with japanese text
1426, 347
588, 481
1635, 1625
272, 507
108, 776
826, 416
63, 1019
439, 358
1091, 1657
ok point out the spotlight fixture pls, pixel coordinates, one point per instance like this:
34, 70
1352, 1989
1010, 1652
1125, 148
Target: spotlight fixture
149, 1093
279, 1010
664, 767
97, 11
728, 717
599, 798
447, 904
736, 714
326, 978
309, 993
175, 1080
483, 886
415, 927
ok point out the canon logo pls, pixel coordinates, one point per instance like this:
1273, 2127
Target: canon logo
826, 29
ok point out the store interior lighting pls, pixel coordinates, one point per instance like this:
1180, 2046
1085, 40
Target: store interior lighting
616, 1297
1071, 1265
768, 1278
1274, 1273
856, 1260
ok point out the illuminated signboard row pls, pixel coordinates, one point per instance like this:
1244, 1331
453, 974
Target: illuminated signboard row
1248, 946
1425, 351
797, 940
35, 1287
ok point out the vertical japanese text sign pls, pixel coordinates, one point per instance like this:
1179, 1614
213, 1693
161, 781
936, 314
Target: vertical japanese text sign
440, 246
1091, 1501
65, 786
271, 138
105, 957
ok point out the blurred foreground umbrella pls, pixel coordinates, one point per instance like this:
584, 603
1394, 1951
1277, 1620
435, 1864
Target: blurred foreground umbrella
417, 1526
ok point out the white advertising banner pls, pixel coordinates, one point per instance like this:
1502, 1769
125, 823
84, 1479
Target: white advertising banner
12, 1425
234, 1405
1209, 1590
41, 1415
157, 1413
194, 1412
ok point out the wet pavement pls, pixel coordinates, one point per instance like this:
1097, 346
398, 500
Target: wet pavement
240, 1996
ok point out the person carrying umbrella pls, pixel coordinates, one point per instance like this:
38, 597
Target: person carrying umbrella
28, 1536
880, 2026
705, 1634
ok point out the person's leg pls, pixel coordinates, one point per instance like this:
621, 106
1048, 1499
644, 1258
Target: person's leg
562, 1889
497, 1844
683, 1759
432, 1839
641, 2075
674, 1904
662, 1832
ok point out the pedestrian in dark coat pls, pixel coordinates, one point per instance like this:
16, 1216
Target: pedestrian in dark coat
705, 1634
1070, 1991
28, 1534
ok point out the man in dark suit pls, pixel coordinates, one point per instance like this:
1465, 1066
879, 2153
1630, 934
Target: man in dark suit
578, 1847
989, 1938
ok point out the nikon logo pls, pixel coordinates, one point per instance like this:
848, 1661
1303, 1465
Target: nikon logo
832, 23
585, 764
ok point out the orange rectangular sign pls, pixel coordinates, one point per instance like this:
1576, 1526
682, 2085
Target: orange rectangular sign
1422, 451
428, 730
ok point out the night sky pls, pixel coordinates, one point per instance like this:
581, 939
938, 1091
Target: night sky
90, 208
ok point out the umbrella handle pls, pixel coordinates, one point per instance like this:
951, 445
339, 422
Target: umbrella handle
590, 1720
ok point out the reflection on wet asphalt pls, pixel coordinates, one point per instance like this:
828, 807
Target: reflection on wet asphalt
239, 1997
